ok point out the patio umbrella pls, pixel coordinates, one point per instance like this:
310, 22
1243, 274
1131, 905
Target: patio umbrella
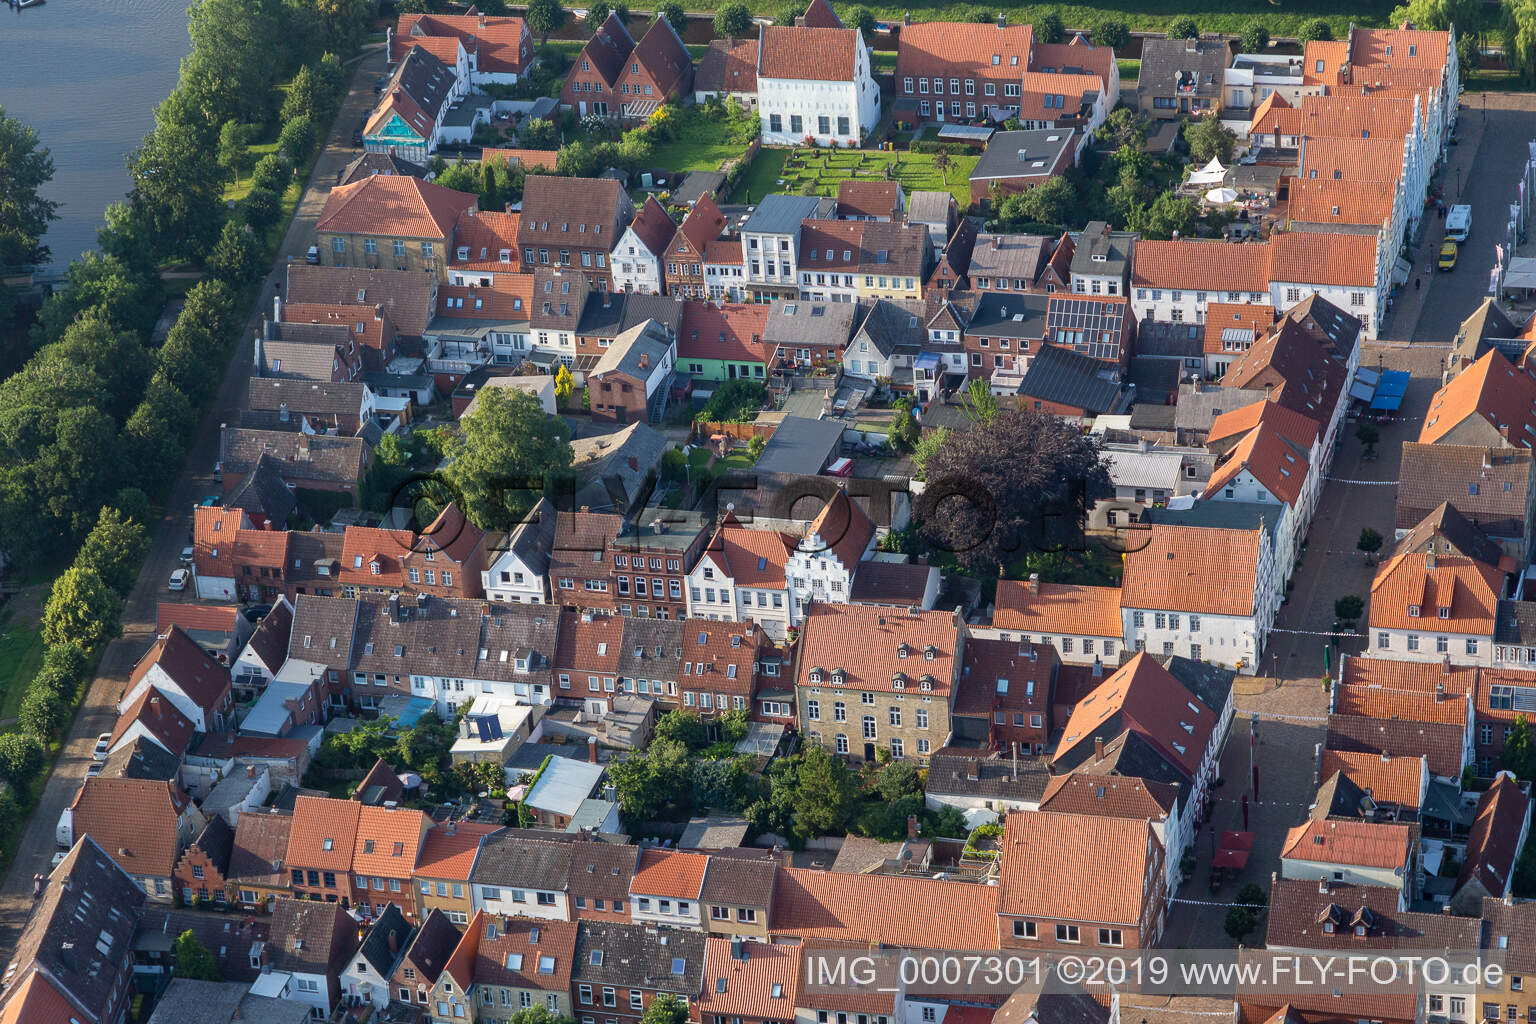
1221, 195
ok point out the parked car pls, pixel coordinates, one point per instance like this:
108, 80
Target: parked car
1448, 253
211, 501
380, 82
94, 769
187, 554
179, 579
313, 255
357, 137
103, 744
256, 612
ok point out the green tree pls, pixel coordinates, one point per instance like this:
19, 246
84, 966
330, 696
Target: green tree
1254, 38
1168, 216
133, 504
261, 207
544, 17
540, 1014
306, 97
1370, 541
115, 356
732, 19
647, 783
114, 549
343, 22
860, 18
1184, 28
297, 139
42, 712
539, 133
81, 609
1315, 30
683, 727
461, 176
755, 445
1251, 895
106, 286
1240, 921
824, 794
1466, 16
1049, 27
1519, 750
503, 455
21, 758
1207, 137
927, 445
238, 257
238, 54
178, 189
665, 1009
234, 148
676, 16
904, 428
896, 780
792, 9
1113, 32
156, 434
1368, 435
272, 173
25, 167
979, 403
1348, 608
192, 960
1518, 28
719, 784
1053, 201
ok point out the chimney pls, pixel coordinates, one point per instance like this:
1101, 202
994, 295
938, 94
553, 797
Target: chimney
1429, 560
973, 769
735, 947
1445, 668
1098, 667
277, 309
906, 17
1034, 583
394, 942
1322, 885
1015, 747
997, 241
154, 704
592, 749
1002, 20
645, 360
912, 829
634, 464
1098, 748
250, 771
1440, 691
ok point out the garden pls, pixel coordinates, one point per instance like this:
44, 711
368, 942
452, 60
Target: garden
818, 172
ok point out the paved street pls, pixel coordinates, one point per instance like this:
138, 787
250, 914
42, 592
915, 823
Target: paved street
97, 712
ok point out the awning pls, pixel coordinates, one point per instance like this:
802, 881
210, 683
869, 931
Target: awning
965, 133
1232, 850
1230, 859
1402, 271
1389, 393
927, 361
543, 358
1521, 272
1211, 174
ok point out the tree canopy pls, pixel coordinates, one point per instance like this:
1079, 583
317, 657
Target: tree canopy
193, 960
732, 19
25, 167
504, 455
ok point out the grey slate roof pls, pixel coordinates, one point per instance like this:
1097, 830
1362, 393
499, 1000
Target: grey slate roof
804, 324
653, 648
369, 164
306, 396
302, 457
894, 326
1446, 525
781, 214
636, 352
1009, 315
612, 469
1515, 623
1338, 797
79, 930
699, 182
431, 946
1211, 684
1168, 65
602, 870
1102, 252
534, 538
311, 938
1061, 376
1022, 154
738, 881
1015, 257
141, 759
261, 492
1198, 407
633, 956
425, 79
515, 861
927, 206
216, 840
559, 295
298, 358
1226, 515
324, 629
389, 929
950, 774
409, 296
1130, 755
907, 249
893, 583
800, 445
185, 1001
442, 638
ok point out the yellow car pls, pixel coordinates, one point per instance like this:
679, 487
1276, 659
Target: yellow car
1448, 252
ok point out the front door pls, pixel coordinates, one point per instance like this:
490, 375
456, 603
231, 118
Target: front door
869, 752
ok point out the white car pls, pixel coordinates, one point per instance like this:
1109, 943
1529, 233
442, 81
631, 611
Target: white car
179, 579
188, 554
103, 745
58, 859
94, 769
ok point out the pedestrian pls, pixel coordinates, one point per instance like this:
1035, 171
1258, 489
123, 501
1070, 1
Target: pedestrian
1417, 281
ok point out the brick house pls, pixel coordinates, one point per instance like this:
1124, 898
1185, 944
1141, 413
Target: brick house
592, 87
972, 68
683, 261
651, 559
754, 982
620, 968
384, 858
628, 383
599, 884
579, 574
1007, 688
422, 962
659, 69
320, 845
587, 659
447, 558
257, 876
572, 222
201, 873
719, 666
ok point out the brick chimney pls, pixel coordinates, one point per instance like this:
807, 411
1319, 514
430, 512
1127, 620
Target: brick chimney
1034, 583
1098, 748
592, 749
912, 829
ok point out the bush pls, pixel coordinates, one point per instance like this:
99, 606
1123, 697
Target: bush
1184, 28
737, 401
271, 173
261, 207
21, 758
297, 139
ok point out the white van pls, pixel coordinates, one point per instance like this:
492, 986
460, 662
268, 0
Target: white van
65, 833
1458, 223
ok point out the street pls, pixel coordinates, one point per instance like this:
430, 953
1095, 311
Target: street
97, 712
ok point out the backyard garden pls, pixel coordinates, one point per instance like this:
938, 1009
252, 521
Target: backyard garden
819, 171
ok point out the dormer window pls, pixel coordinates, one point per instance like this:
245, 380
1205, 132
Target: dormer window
839, 677
930, 653
1445, 612
899, 681
925, 684
816, 675
902, 651
1413, 611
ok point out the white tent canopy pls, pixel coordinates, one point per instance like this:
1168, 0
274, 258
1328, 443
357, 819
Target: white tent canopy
1221, 195
1211, 174
1521, 272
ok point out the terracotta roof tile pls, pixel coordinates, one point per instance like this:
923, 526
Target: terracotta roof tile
1194, 569
1297, 371
950, 49
866, 642
844, 529
725, 652
1299, 910
487, 234
1201, 266
1449, 593
197, 675
1414, 691
1351, 159
388, 840
1492, 389
1029, 671
260, 848
670, 873
394, 206
1052, 97
808, 54
1075, 55
1293, 426
702, 225
1145, 698
752, 558
1361, 843
523, 954
729, 331
819, 14
1495, 839
502, 44
811, 904
1441, 745
133, 821
1058, 608
324, 833
1372, 48
869, 199
545, 158
662, 53
1274, 460
653, 226
1108, 796
212, 618
729, 65
449, 850
763, 983
1388, 779
1340, 202
1324, 258
1247, 320
590, 642
1040, 853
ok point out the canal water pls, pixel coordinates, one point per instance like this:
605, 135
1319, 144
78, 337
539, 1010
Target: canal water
87, 74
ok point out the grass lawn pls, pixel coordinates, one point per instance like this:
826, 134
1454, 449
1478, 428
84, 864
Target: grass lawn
1130, 70
702, 144
824, 169
21, 655
235, 192
767, 168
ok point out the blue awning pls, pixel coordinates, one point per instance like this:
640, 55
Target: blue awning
1389, 392
927, 361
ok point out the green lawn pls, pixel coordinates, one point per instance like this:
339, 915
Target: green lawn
21, 655
235, 192
702, 144
1130, 70
824, 169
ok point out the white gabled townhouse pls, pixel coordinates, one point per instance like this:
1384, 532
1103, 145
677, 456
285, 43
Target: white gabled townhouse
815, 82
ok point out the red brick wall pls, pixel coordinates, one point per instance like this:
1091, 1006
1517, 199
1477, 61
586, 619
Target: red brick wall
618, 398
210, 887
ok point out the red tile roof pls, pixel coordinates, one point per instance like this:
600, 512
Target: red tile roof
1109, 796
1197, 569
133, 821
763, 983
1057, 608
670, 873
875, 646
729, 65
523, 954
1323, 258
732, 331
501, 44
1351, 159
1028, 671
662, 54
507, 297
1492, 389
1374, 48
364, 547
1293, 426
388, 839
590, 642
1054, 97
724, 652
154, 711
487, 234
819, 14
1145, 698
1299, 373
870, 199
545, 158
1324, 201
1187, 265
1042, 856
844, 530
212, 618
1387, 779
808, 54
753, 558
213, 539
1239, 316
394, 206
653, 226
810, 904
1365, 844
1495, 837
1075, 55
200, 677
1449, 593
324, 833
958, 49
702, 225
1277, 463
1415, 691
